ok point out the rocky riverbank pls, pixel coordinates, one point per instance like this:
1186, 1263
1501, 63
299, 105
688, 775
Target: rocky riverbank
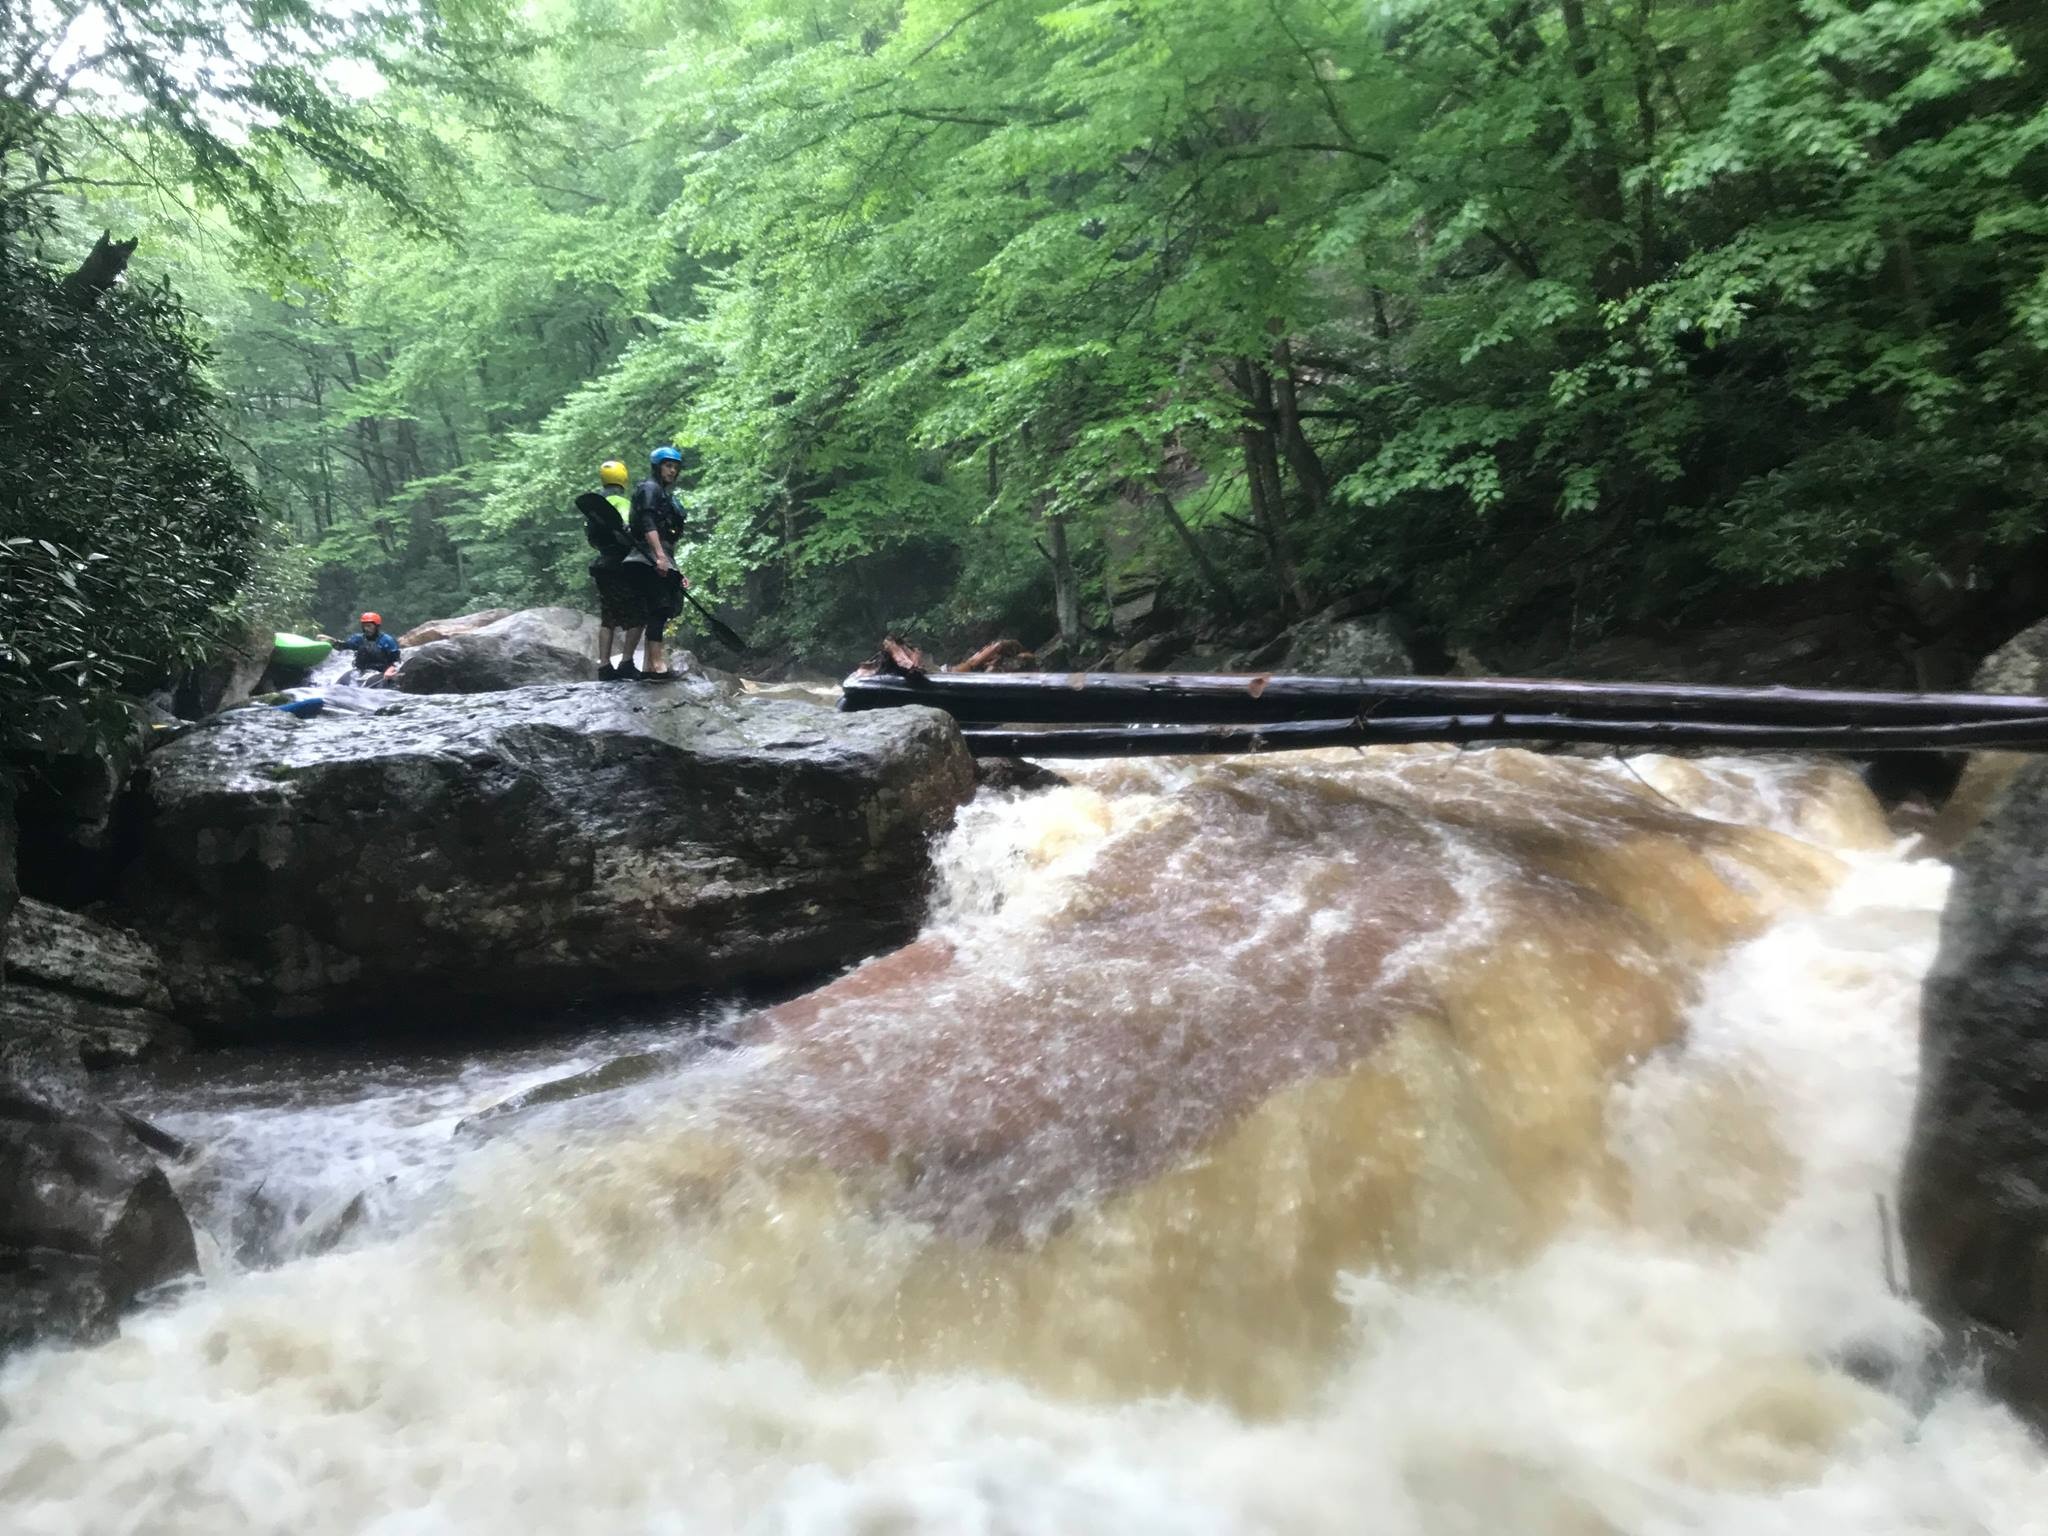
501, 848
499, 839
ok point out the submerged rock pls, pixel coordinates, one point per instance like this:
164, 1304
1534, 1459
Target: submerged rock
520, 850
536, 645
1975, 1203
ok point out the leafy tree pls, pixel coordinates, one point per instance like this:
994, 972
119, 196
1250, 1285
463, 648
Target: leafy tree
1536, 317
127, 536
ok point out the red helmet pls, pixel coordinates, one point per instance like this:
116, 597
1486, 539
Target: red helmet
373, 618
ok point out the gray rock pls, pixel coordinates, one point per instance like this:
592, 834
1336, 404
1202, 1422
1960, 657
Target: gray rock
442, 629
50, 947
10, 887
515, 851
89, 1224
1015, 774
536, 645
1974, 1211
1152, 653
96, 989
1369, 645
2018, 666
97, 1034
1135, 610
65, 816
226, 680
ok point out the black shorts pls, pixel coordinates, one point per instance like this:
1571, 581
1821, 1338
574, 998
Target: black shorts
661, 597
619, 605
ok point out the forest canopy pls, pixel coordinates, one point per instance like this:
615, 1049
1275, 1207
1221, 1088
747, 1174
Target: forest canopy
1536, 319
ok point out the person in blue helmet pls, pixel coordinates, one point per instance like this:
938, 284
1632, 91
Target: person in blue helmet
656, 526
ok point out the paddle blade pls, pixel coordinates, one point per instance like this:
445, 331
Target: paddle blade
729, 637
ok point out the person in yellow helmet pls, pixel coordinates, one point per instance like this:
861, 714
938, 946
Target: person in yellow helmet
619, 604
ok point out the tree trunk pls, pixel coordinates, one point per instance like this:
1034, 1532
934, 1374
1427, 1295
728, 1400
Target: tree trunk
1301, 454
1648, 735
1226, 602
1262, 478
1225, 699
100, 270
1066, 590
370, 440
1646, 130
1602, 185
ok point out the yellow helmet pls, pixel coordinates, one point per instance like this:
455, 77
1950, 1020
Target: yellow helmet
611, 472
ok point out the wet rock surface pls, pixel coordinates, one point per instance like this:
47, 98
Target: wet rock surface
89, 1224
535, 645
226, 679
2018, 666
517, 851
1357, 645
443, 629
96, 992
1975, 1203
10, 887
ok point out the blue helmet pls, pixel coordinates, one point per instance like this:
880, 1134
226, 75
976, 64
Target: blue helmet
664, 455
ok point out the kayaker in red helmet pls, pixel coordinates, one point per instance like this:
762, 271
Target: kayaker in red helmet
376, 653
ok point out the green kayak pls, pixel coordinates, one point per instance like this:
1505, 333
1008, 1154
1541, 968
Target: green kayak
298, 651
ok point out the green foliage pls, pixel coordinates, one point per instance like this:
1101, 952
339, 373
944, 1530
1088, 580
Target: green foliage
1541, 316
126, 536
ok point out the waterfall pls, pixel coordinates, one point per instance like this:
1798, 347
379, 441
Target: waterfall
1405, 1141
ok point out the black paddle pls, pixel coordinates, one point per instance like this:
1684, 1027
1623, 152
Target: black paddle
727, 635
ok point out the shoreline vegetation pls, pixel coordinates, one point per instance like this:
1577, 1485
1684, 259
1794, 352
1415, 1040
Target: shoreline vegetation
1540, 327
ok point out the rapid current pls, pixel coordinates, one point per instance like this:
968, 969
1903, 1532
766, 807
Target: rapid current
1391, 1142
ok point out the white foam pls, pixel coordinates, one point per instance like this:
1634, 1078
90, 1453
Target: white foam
1651, 1376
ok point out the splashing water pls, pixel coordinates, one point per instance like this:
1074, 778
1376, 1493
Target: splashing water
1408, 1141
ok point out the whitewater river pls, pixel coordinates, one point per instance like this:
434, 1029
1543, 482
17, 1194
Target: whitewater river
1389, 1142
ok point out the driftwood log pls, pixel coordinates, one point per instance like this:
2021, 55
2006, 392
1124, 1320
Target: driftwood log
2015, 735
1130, 714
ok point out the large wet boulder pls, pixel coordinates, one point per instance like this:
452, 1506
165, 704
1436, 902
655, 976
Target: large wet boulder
226, 679
443, 629
67, 814
1975, 1203
96, 989
10, 886
89, 1224
2018, 666
1347, 639
516, 851
1361, 645
535, 645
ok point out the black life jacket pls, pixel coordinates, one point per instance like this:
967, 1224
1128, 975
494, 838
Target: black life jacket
604, 526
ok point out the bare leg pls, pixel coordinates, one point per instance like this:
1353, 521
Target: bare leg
604, 644
630, 639
654, 661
